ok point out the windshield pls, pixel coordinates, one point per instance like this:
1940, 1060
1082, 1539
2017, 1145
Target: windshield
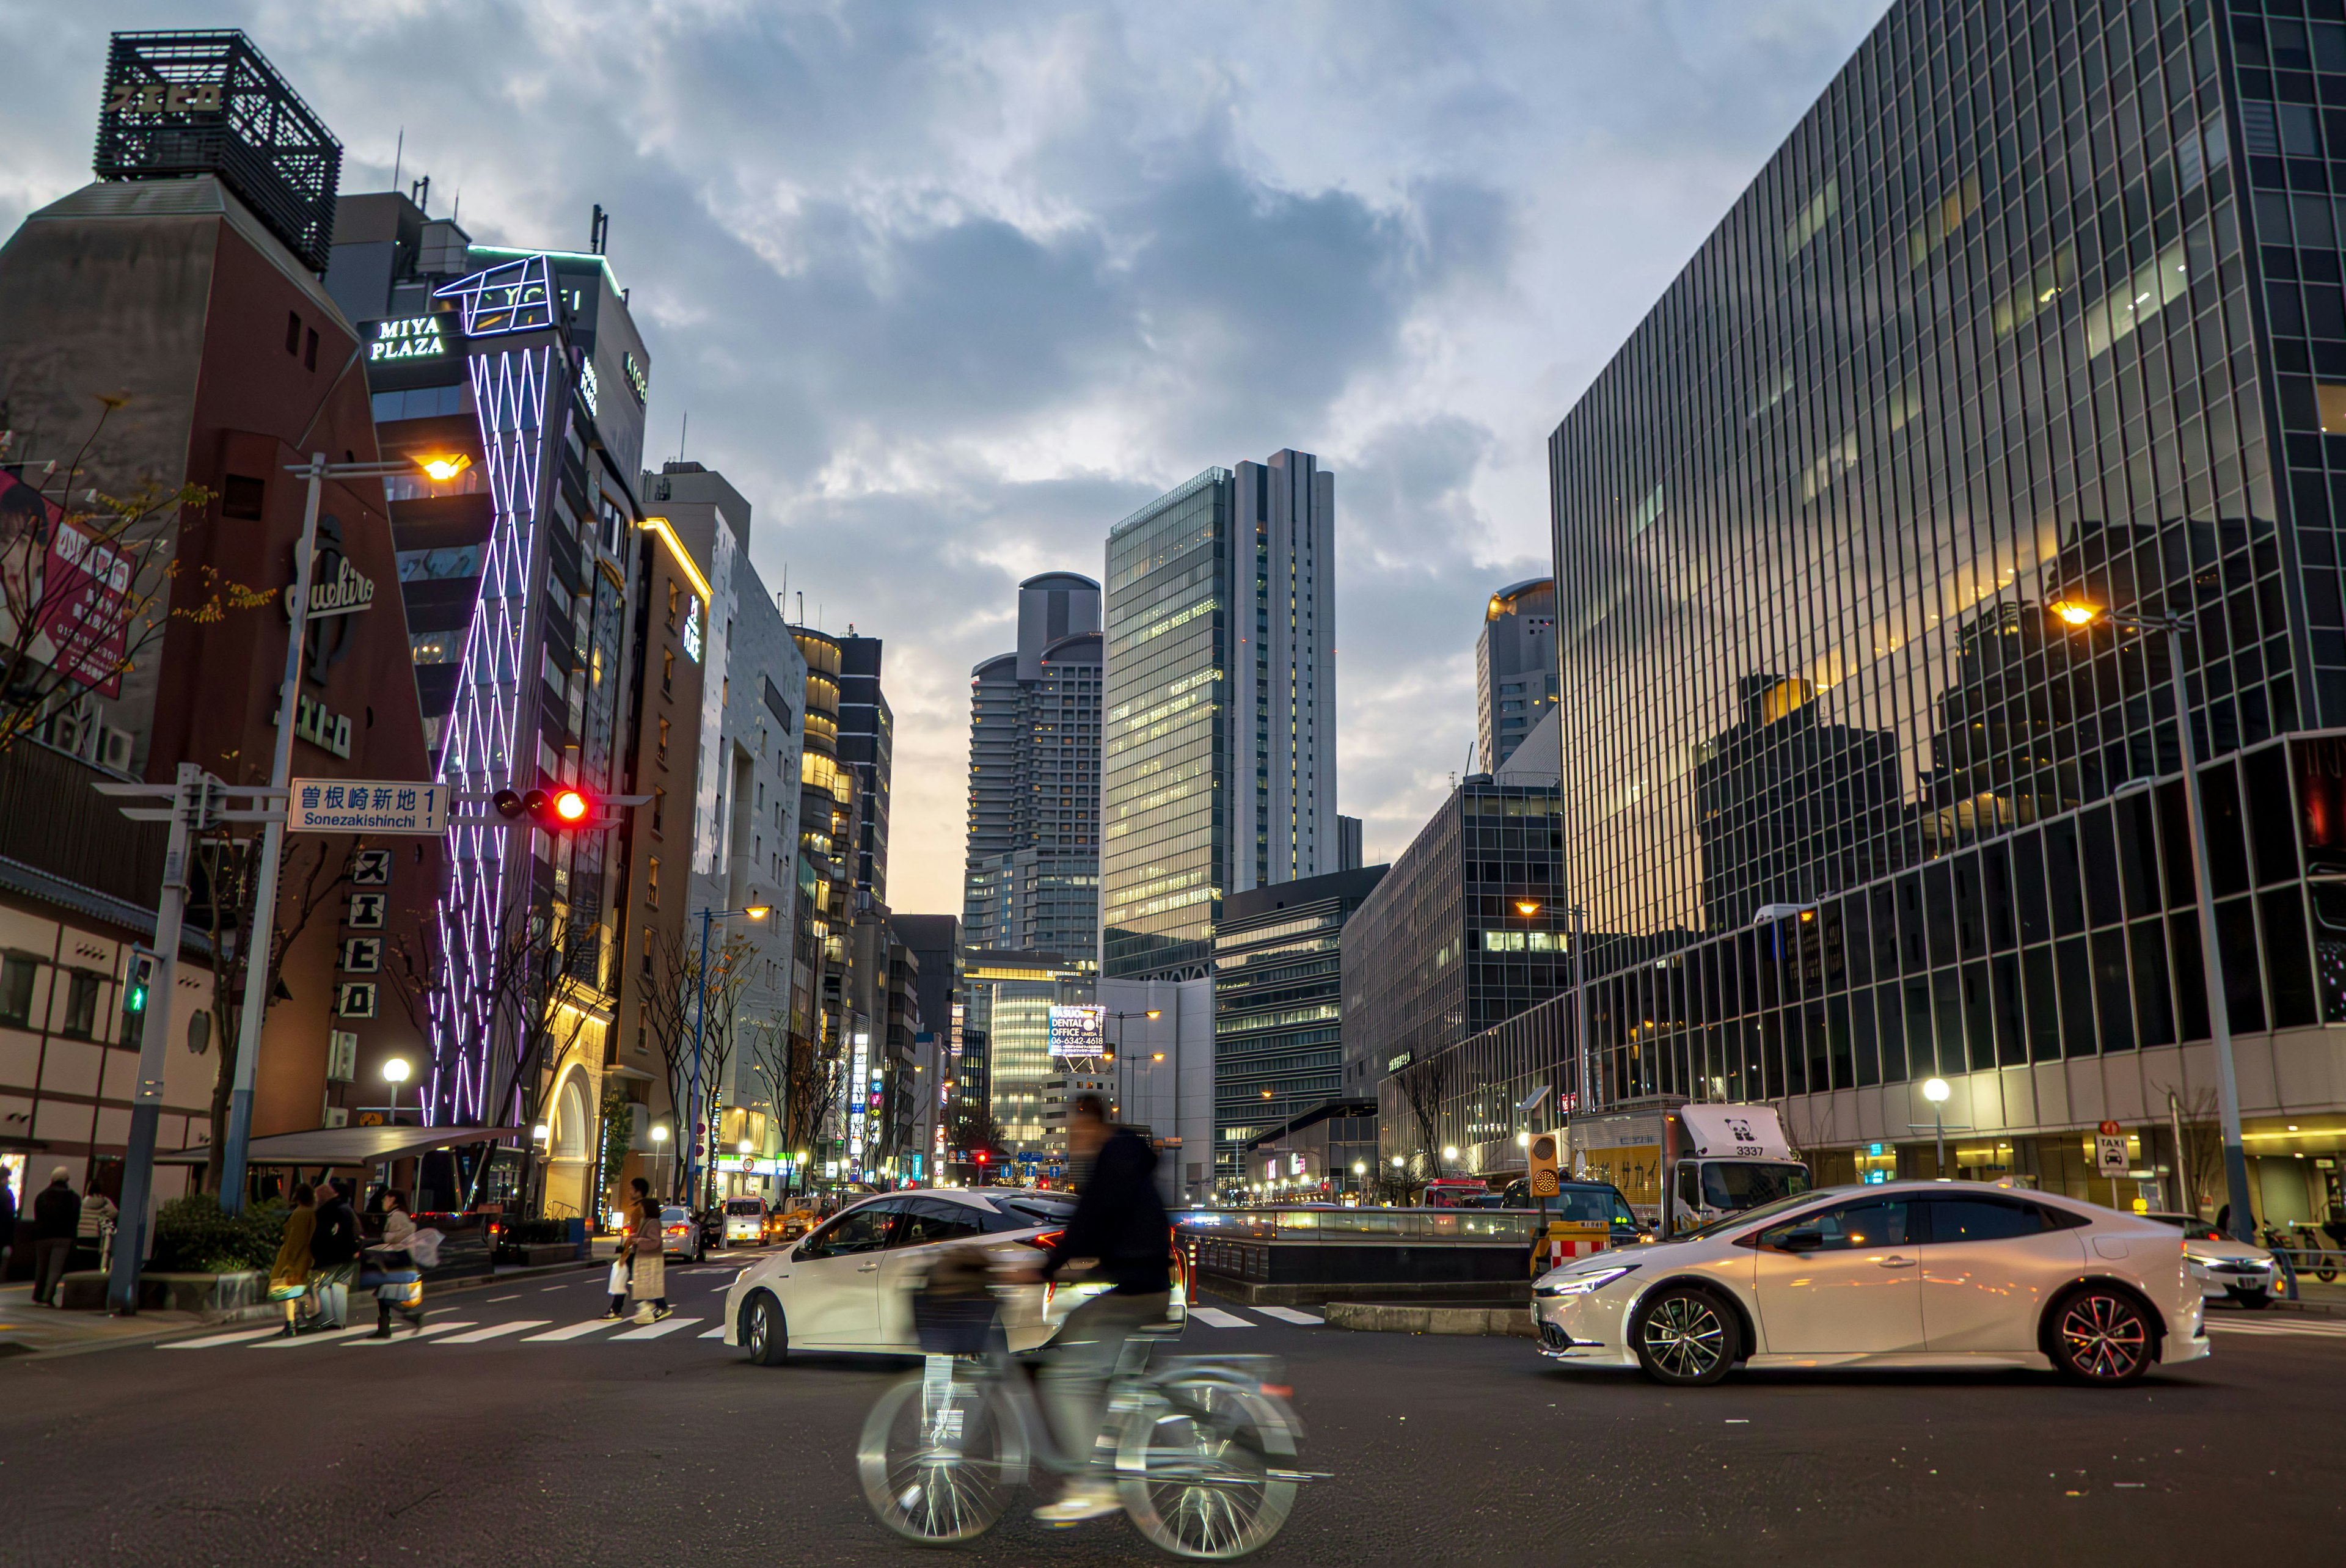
1592, 1206
674, 1216
1764, 1211
2193, 1228
1739, 1185
750, 1205
1041, 1210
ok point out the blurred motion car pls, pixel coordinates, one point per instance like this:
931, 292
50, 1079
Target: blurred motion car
2225, 1269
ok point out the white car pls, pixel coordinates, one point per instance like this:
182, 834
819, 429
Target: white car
2224, 1270
846, 1285
745, 1221
1904, 1274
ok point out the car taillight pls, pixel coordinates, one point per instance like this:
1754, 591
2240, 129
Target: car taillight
1046, 1239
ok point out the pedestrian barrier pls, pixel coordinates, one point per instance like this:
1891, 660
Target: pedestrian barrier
1309, 1255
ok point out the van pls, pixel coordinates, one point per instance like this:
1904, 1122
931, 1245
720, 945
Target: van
745, 1220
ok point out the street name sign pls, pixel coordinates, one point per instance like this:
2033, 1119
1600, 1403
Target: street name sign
367, 806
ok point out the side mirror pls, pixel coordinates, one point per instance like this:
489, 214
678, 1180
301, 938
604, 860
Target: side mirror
1802, 1240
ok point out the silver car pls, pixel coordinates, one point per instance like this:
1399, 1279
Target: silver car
1903, 1274
846, 1285
2225, 1269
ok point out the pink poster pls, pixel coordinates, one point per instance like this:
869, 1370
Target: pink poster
81, 619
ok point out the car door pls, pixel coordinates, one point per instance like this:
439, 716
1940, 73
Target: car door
1840, 1280
1989, 1263
928, 1224
833, 1294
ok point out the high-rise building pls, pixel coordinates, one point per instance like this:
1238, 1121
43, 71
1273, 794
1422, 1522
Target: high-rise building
1515, 668
1032, 877
2036, 311
1219, 756
867, 743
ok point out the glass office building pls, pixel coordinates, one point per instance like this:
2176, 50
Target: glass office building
2040, 304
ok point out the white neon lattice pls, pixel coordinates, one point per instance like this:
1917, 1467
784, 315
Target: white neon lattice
510, 391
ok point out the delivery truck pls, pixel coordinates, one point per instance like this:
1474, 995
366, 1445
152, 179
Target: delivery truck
1713, 1160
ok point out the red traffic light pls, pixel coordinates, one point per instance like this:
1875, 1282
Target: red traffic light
982, 1156
555, 811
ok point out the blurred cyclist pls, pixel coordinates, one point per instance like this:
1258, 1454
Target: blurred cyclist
1119, 1234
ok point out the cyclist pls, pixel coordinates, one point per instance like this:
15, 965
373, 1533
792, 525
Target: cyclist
1119, 1234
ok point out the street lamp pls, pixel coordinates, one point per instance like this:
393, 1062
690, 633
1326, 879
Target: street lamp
660, 1139
272, 833
394, 1072
2081, 615
700, 1023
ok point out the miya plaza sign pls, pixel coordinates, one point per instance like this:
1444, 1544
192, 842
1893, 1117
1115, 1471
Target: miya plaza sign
407, 338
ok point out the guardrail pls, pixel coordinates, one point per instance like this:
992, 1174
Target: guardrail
1313, 1254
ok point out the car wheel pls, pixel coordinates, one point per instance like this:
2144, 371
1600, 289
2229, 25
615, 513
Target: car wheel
764, 1332
2254, 1300
1685, 1337
2102, 1334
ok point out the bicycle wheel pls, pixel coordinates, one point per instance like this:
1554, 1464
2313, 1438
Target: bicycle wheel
1193, 1469
939, 1458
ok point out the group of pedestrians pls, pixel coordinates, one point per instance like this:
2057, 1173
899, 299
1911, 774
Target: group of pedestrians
320, 1255
70, 1230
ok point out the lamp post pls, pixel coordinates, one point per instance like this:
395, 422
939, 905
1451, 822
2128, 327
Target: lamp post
700, 1026
394, 1072
2081, 616
659, 1138
272, 834
1935, 1090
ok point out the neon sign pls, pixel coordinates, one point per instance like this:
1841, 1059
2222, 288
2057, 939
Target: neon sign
408, 338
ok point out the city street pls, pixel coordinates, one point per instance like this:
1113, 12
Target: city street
520, 1431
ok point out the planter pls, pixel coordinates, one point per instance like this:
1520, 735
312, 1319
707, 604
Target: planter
211, 1296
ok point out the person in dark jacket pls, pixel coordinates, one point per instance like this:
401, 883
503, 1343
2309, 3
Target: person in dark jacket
8, 1222
1118, 1236
334, 1249
56, 1220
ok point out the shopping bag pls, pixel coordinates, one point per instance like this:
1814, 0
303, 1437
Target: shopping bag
618, 1276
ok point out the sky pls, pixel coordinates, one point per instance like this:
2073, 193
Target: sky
947, 288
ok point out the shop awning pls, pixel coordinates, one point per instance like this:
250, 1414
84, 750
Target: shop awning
346, 1146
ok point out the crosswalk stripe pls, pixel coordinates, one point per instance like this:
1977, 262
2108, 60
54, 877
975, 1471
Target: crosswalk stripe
496, 1329
571, 1333
2307, 1330
1287, 1315
326, 1338
426, 1332
209, 1341
1220, 1318
713, 1334
655, 1331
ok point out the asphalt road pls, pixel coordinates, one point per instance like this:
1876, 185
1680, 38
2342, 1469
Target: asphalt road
511, 1449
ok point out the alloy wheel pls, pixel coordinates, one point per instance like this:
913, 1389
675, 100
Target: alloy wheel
2105, 1337
1684, 1337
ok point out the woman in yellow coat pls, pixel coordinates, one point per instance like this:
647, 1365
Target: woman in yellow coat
288, 1277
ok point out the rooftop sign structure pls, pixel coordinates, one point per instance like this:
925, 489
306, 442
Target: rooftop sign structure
182, 103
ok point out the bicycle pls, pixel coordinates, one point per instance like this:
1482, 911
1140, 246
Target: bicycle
1205, 1448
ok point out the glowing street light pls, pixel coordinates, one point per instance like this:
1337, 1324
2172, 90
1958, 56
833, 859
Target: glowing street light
394, 1072
443, 469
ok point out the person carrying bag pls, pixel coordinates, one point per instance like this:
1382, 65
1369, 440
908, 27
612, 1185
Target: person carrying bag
288, 1276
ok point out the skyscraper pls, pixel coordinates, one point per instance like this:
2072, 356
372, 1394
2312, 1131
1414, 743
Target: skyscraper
1032, 877
1515, 668
1219, 754
867, 743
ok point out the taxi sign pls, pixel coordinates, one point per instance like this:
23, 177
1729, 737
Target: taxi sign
2110, 1150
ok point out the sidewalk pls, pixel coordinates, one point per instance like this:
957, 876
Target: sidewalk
28, 1330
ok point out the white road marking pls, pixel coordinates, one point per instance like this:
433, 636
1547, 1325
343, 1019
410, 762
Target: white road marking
654, 1330
2308, 1330
575, 1330
325, 1338
543, 1289
1287, 1315
207, 1343
496, 1330
495, 1299
1221, 1319
426, 1332
713, 1334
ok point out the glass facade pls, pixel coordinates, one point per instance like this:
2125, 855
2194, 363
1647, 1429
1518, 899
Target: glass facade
1164, 785
2039, 305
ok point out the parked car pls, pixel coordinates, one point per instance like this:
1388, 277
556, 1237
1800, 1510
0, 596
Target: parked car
745, 1220
847, 1286
681, 1234
1904, 1274
2224, 1270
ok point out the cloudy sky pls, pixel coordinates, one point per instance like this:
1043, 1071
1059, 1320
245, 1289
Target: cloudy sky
947, 288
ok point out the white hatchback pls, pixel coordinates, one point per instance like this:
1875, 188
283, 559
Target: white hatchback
1904, 1274
847, 1285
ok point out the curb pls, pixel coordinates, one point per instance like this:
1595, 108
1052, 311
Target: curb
11, 1351
1510, 1322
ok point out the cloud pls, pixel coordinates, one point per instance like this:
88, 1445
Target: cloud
947, 290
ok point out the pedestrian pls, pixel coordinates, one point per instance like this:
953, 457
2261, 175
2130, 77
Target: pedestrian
335, 1248
7, 1220
57, 1215
288, 1277
622, 1263
396, 1258
647, 1265
97, 1216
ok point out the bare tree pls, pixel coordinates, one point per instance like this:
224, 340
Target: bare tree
81, 574
695, 1047
819, 1077
1423, 1086
2199, 1162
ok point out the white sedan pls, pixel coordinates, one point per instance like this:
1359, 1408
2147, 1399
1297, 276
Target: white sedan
1904, 1274
2225, 1269
847, 1285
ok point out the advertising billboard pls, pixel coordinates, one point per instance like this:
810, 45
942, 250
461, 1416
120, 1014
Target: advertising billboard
1078, 1034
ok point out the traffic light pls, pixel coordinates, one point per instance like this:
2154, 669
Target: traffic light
136, 982
1542, 1153
555, 811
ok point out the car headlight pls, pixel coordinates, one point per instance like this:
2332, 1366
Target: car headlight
1582, 1284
